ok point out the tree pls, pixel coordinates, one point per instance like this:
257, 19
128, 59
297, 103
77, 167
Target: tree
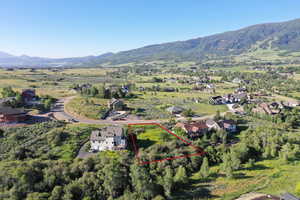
165, 136
168, 181
73, 191
217, 117
226, 165
47, 104
235, 160
8, 92
181, 176
56, 193
107, 93
188, 113
204, 171
114, 179
94, 91
142, 182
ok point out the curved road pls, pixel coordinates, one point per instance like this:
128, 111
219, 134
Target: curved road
61, 113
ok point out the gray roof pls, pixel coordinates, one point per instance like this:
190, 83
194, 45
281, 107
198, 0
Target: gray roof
174, 109
288, 196
106, 132
210, 122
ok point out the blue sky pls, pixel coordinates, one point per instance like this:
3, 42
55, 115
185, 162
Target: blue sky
66, 28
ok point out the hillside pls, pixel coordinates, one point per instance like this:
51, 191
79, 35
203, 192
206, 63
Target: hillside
276, 36
280, 39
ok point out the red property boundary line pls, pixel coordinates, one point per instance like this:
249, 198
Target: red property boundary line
200, 151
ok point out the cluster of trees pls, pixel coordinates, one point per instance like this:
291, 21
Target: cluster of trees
290, 118
106, 92
36, 163
270, 81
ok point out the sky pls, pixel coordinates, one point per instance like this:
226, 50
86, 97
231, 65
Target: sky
71, 28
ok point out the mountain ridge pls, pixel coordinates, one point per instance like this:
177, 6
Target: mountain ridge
277, 36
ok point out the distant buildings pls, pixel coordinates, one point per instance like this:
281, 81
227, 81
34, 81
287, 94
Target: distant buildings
116, 104
12, 115
174, 110
108, 138
28, 95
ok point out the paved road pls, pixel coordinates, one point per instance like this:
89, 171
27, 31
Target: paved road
61, 113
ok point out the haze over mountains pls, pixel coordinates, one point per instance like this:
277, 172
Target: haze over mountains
277, 37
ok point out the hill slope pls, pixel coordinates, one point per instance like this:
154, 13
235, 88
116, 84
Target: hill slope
278, 37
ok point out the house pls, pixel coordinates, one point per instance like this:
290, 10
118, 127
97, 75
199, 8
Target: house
28, 95
269, 109
12, 115
237, 80
228, 125
169, 89
108, 138
241, 90
291, 103
216, 100
288, 196
257, 196
212, 125
194, 129
174, 110
7, 101
116, 104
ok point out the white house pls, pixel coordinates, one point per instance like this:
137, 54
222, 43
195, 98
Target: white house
108, 138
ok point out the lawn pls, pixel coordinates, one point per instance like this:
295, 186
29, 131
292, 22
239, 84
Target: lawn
268, 176
86, 107
151, 134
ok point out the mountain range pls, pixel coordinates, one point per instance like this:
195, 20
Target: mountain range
282, 37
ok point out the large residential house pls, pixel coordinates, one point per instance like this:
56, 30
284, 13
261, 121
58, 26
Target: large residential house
116, 104
268, 109
108, 138
212, 125
194, 129
12, 115
228, 125
28, 95
175, 110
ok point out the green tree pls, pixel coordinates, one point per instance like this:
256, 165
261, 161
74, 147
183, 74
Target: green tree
188, 113
142, 182
204, 171
168, 181
56, 193
181, 176
227, 165
114, 179
8, 92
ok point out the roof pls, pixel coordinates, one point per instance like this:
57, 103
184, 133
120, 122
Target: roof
226, 123
113, 101
257, 196
106, 132
194, 126
11, 111
7, 99
288, 196
210, 122
175, 109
